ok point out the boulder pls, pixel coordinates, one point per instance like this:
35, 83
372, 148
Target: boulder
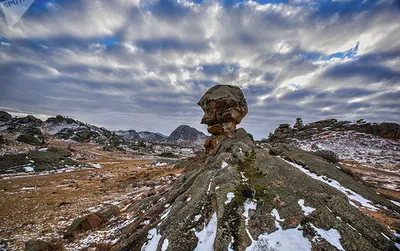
83, 224
32, 120
38, 245
5, 116
224, 107
32, 136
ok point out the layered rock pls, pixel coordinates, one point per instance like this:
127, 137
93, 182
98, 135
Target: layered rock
224, 108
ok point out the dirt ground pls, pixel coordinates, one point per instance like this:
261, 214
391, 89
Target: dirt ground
43, 206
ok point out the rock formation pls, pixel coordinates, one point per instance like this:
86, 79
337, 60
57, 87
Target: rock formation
5, 116
224, 107
244, 197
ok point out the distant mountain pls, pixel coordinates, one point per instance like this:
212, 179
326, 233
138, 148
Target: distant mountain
186, 135
34, 131
183, 135
132, 135
152, 136
129, 135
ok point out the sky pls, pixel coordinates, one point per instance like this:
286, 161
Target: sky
143, 65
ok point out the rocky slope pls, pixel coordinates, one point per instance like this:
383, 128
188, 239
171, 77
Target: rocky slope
244, 197
368, 152
152, 137
183, 135
187, 136
33, 131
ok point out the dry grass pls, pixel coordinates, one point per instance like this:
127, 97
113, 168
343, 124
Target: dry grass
55, 200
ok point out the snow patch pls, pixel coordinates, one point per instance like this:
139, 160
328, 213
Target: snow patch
307, 210
395, 202
230, 196
28, 169
224, 164
197, 217
207, 236
153, 237
332, 236
95, 165
281, 240
165, 245
351, 195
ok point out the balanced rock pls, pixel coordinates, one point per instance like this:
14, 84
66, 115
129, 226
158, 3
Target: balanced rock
224, 107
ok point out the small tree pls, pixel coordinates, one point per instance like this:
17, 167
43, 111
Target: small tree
299, 124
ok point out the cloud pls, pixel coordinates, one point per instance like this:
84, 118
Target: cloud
144, 64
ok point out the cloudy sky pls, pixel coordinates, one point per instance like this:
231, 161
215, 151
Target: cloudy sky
143, 65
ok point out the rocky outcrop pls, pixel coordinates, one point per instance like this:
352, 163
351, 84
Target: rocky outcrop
284, 133
31, 120
5, 116
243, 197
38, 161
38, 245
224, 108
31, 136
60, 120
90, 222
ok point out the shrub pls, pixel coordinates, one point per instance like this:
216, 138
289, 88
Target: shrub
328, 155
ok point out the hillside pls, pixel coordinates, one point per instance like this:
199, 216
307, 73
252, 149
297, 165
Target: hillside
186, 135
239, 195
183, 135
369, 152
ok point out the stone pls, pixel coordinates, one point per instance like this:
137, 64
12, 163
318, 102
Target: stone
38, 245
83, 224
5, 116
224, 107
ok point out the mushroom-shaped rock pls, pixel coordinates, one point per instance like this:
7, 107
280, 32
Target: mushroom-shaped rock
224, 107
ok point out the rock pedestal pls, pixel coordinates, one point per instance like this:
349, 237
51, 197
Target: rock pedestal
224, 107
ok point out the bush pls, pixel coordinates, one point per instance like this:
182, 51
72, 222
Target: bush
328, 155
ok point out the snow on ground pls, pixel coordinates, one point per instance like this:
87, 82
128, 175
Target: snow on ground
281, 240
28, 169
153, 238
206, 237
351, 195
396, 203
165, 244
224, 164
332, 236
230, 196
247, 206
95, 165
307, 210
359, 150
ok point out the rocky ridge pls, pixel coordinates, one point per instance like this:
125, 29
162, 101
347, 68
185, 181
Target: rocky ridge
186, 136
183, 135
369, 152
243, 197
